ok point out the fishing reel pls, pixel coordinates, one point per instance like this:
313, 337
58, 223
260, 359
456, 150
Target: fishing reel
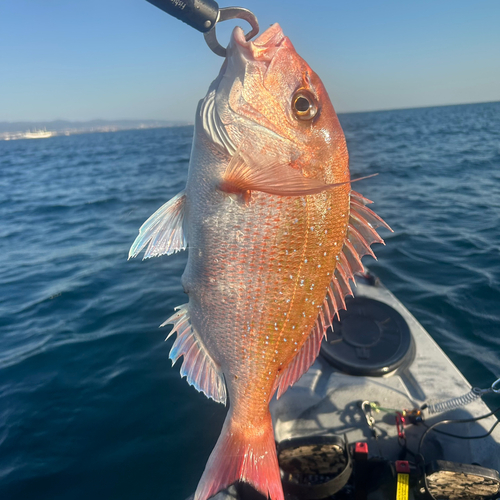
203, 15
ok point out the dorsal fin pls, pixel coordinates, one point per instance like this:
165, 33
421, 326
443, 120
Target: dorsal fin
360, 235
302, 361
198, 367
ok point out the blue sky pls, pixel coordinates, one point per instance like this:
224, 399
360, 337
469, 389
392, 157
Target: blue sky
114, 59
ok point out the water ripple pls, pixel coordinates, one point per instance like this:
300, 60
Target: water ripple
86, 387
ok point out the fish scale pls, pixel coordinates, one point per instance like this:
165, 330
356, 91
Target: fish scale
227, 335
275, 235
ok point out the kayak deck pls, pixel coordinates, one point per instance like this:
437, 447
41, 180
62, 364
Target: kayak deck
326, 401
334, 404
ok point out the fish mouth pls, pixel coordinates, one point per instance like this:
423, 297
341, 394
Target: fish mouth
234, 106
263, 48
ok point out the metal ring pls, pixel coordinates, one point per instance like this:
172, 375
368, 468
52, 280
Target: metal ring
495, 386
231, 13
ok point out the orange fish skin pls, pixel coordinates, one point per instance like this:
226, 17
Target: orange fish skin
275, 233
259, 268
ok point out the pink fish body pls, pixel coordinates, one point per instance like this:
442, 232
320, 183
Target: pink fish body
275, 233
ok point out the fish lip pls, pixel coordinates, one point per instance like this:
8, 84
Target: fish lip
238, 38
263, 48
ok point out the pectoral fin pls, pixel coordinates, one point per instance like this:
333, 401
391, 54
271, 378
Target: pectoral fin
163, 231
269, 175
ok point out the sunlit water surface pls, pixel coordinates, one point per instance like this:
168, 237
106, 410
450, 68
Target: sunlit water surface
90, 406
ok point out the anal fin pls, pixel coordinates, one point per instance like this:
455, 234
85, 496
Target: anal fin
198, 367
163, 231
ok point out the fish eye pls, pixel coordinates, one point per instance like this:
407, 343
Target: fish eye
304, 105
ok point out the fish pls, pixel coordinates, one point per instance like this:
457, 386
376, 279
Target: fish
275, 235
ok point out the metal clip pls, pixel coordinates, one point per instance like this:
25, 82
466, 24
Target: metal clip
231, 13
495, 386
366, 407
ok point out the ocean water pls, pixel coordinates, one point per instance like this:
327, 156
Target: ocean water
90, 406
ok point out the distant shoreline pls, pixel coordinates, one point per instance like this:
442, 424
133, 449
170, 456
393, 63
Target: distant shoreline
44, 130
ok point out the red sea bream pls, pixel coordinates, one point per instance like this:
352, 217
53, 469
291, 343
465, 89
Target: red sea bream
275, 234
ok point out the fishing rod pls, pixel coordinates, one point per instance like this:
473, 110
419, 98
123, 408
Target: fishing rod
203, 15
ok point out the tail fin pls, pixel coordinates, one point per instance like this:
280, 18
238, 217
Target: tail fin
243, 453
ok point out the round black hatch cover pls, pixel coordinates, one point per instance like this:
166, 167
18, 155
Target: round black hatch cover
371, 339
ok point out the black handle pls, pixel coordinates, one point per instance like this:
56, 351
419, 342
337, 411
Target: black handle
199, 14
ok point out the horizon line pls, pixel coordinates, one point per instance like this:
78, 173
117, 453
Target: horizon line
190, 122
418, 107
